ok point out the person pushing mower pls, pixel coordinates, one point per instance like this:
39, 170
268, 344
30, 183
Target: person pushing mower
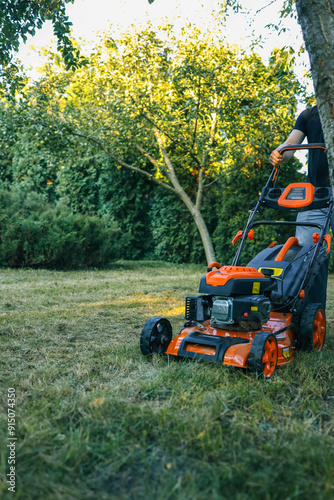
308, 125
257, 316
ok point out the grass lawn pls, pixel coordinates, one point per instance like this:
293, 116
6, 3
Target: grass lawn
97, 420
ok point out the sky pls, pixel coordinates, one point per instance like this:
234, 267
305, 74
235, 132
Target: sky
92, 16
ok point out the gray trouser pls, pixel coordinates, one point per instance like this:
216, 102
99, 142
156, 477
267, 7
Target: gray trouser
303, 233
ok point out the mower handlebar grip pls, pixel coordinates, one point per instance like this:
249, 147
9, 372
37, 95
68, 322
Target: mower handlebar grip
294, 147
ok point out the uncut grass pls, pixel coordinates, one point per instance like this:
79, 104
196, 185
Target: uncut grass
96, 419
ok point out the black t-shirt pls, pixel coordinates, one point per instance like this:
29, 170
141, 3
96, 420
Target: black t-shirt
309, 123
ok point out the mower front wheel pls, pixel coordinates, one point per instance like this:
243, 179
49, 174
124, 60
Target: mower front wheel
155, 336
263, 354
312, 328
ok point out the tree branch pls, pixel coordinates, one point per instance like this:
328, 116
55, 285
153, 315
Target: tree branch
148, 156
175, 141
205, 157
199, 196
197, 110
171, 172
123, 163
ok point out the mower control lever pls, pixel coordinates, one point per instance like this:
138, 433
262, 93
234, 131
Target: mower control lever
328, 240
212, 265
237, 237
275, 173
239, 234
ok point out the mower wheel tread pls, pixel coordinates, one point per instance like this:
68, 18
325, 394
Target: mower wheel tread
155, 336
263, 354
312, 329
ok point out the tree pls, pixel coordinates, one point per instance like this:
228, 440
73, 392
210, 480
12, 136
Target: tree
181, 111
20, 18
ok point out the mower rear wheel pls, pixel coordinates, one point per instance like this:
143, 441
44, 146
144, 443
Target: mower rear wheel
263, 354
156, 336
312, 328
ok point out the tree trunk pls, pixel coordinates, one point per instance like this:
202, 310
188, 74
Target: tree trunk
198, 218
206, 238
201, 226
317, 22
195, 210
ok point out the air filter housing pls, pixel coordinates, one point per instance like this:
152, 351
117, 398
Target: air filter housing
198, 307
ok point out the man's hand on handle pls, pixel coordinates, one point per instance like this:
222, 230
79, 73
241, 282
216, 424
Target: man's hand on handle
276, 158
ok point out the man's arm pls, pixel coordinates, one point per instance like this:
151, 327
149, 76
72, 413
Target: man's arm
296, 137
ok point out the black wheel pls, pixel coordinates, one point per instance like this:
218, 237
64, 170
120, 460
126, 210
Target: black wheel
312, 328
155, 336
263, 354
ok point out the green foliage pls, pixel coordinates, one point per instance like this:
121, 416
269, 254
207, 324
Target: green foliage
128, 199
36, 233
190, 113
174, 233
33, 166
78, 181
20, 18
7, 142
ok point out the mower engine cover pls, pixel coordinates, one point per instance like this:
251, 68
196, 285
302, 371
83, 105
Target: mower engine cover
236, 280
243, 312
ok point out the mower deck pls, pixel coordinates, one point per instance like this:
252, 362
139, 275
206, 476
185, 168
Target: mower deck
232, 347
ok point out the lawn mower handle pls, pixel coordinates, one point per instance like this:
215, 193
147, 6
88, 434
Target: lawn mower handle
294, 147
273, 177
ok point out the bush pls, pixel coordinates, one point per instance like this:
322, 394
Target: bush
36, 233
127, 197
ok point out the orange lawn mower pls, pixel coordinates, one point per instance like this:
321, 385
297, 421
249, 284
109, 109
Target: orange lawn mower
255, 317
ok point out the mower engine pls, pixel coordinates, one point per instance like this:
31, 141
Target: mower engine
244, 312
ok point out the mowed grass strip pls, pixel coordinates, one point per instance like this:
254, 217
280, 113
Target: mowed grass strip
97, 420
